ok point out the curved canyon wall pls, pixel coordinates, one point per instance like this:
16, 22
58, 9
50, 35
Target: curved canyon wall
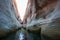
40, 14
44, 14
8, 17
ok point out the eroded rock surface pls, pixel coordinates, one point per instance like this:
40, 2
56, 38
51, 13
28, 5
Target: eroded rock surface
40, 14
8, 18
44, 14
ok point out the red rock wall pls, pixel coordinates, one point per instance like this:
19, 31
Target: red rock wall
38, 9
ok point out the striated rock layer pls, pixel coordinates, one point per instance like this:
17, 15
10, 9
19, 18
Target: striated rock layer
8, 17
44, 14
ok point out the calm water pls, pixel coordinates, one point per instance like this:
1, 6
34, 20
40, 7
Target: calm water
23, 35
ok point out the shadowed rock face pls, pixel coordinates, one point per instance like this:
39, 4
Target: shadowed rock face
41, 15
51, 30
9, 24
45, 15
8, 18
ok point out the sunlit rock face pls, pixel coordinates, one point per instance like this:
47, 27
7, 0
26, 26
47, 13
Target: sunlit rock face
44, 14
8, 17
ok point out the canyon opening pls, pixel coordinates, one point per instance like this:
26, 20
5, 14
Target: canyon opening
29, 19
21, 7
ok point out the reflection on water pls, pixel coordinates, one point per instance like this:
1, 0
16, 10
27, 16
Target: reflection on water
23, 35
20, 35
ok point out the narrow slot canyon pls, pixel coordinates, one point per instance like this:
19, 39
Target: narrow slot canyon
29, 19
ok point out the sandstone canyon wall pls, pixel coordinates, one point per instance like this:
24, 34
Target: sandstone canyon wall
8, 17
44, 14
